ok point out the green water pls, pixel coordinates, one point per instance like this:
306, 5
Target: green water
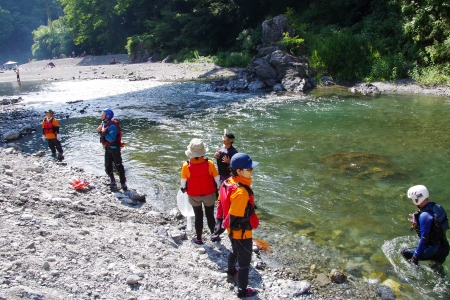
334, 167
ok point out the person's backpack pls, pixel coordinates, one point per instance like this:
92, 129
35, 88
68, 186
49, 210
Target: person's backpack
440, 216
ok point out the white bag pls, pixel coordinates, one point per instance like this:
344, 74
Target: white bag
185, 208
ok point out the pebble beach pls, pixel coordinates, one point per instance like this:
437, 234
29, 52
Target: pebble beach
98, 243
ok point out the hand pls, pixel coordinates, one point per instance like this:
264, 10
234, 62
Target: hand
183, 190
43, 138
217, 154
99, 128
58, 137
414, 260
226, 159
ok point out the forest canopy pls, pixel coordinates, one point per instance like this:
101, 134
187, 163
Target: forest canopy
347, 39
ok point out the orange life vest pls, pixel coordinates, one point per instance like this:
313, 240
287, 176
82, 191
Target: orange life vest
200, 182
250, 220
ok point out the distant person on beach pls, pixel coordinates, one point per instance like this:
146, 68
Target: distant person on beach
73, 54
111, 139
200, 180
223, 157
50, 64
50, 128
240, 219
17, 73
430, 222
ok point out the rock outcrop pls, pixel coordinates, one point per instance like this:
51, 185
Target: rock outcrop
272, 69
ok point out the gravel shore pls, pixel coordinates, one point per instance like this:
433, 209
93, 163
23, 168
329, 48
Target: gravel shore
59, 243
98, 67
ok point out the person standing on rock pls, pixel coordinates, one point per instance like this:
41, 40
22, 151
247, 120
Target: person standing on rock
50, 133
430, 223
200, 180
240, 219
111, 139
223, 157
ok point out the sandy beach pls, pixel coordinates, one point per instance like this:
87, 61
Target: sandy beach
98, 67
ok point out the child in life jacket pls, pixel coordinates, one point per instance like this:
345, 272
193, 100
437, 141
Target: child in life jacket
50, 133
240, 219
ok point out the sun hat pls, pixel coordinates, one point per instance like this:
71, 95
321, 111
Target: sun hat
196, 148
242, 161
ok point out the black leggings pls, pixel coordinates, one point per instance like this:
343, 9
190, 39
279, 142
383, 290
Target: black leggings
241, 252
209, 212
114, 156
54, 145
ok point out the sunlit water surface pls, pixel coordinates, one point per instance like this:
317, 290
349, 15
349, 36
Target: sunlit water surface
334, 169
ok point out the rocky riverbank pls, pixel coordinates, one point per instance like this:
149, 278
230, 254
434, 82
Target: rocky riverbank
58, 243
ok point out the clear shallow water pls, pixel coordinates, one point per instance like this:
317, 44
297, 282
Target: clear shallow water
334, 168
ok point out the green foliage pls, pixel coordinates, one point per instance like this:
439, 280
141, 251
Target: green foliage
249, 39
292, 44
194, 56
387, 68
427, 23
232, 59
53, 40
431, 75
343, 55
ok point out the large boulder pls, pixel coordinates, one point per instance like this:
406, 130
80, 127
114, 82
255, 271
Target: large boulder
274, 29
11, 135
271, 67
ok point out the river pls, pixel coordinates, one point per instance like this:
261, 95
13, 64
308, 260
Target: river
334, 166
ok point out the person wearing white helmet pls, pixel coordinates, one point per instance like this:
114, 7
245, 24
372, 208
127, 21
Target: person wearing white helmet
430, 223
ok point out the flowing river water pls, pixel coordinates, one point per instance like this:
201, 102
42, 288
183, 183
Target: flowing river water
333, 174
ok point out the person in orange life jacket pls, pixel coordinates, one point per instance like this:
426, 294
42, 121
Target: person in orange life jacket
200, 180
433, 244
223, 157
111, 138
240, 231
50, 133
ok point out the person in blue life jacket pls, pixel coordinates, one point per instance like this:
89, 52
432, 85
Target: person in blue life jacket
430, 222
223, 157
111, 139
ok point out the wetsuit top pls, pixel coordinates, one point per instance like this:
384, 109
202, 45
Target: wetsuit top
113, 131
238, 203
50, 128
224, 172
425, 222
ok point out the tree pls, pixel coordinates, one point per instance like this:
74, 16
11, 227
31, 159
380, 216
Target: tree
427, 23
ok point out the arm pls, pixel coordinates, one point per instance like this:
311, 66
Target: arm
55, 126
111, 135
425, 221
184, 176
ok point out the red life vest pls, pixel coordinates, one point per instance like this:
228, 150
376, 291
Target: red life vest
118, 141
200, 182
48, 126
250, 220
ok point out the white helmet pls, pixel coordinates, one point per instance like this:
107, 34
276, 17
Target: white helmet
418, 194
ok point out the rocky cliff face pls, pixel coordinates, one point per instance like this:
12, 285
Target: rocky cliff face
272, 69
